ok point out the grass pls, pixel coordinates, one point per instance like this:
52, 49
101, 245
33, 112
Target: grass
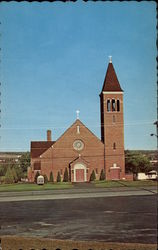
125, 183
65, 185
34, 187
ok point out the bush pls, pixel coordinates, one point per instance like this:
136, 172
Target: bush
37, 174
66, 176
58, 177
45, 178
2, 179
92, 177
102, 175
51, 178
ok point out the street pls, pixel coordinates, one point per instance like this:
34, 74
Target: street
126, 218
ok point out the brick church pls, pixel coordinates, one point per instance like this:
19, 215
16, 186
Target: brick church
79, 150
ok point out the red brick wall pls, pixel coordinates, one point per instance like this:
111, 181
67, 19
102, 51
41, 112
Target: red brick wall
129, 177
113, 132
59, 156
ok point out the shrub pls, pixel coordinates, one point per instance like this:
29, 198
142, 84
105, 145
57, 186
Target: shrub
58, 177
45, 178
51, 178
2, 179
92, 177
66, 176
102, 175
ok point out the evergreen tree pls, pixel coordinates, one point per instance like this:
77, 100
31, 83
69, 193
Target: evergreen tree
51, 179
66, 176
37, 174
92, 177
102, 175
45, 179
58, 177
9, 178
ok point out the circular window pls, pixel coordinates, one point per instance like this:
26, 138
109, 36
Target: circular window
78, 145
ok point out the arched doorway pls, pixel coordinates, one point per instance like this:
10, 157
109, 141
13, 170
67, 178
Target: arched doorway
80, 174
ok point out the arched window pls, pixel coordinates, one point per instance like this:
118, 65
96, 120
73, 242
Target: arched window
118, 105
114, 165
114, 146
113, 105
108, 106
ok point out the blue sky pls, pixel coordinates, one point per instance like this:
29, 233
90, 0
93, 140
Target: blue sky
54, 60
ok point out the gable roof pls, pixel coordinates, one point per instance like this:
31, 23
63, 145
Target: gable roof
39, 147
78, 122
111, 82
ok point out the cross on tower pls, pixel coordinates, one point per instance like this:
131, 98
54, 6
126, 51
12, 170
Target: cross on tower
77, 113
110, 59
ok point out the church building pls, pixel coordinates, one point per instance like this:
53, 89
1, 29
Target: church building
79, 150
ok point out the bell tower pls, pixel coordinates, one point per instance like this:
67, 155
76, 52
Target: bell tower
112, 125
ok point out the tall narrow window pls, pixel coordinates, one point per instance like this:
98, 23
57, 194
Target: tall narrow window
114, 146
113, 105
78, 129
108, 105
113, 119
118, 105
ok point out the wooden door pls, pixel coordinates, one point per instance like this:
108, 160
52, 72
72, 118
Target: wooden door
79, 175
115, 174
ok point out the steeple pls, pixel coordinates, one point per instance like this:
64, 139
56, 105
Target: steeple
111, 82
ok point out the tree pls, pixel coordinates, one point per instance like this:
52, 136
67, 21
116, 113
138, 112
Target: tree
14, 174
19, 172
66, 176
102, 175
136, 162
36, 176
51, 178
45, 179
25, 161
3, 170
58, 177
9, 178
92, 177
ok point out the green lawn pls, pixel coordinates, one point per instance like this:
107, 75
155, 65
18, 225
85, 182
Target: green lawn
66, 185
125, 183
33, 187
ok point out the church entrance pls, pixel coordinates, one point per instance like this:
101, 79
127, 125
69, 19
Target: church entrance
115, 173
80, 173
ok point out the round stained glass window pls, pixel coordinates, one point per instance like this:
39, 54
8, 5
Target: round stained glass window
78, 145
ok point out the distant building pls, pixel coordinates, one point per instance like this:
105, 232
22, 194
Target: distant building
79, 150
9, 157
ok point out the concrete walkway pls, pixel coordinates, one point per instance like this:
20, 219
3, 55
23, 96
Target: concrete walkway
88, 192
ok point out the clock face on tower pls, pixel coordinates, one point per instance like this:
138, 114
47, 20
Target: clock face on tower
78, 145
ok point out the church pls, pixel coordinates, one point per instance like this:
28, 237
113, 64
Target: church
82, 152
